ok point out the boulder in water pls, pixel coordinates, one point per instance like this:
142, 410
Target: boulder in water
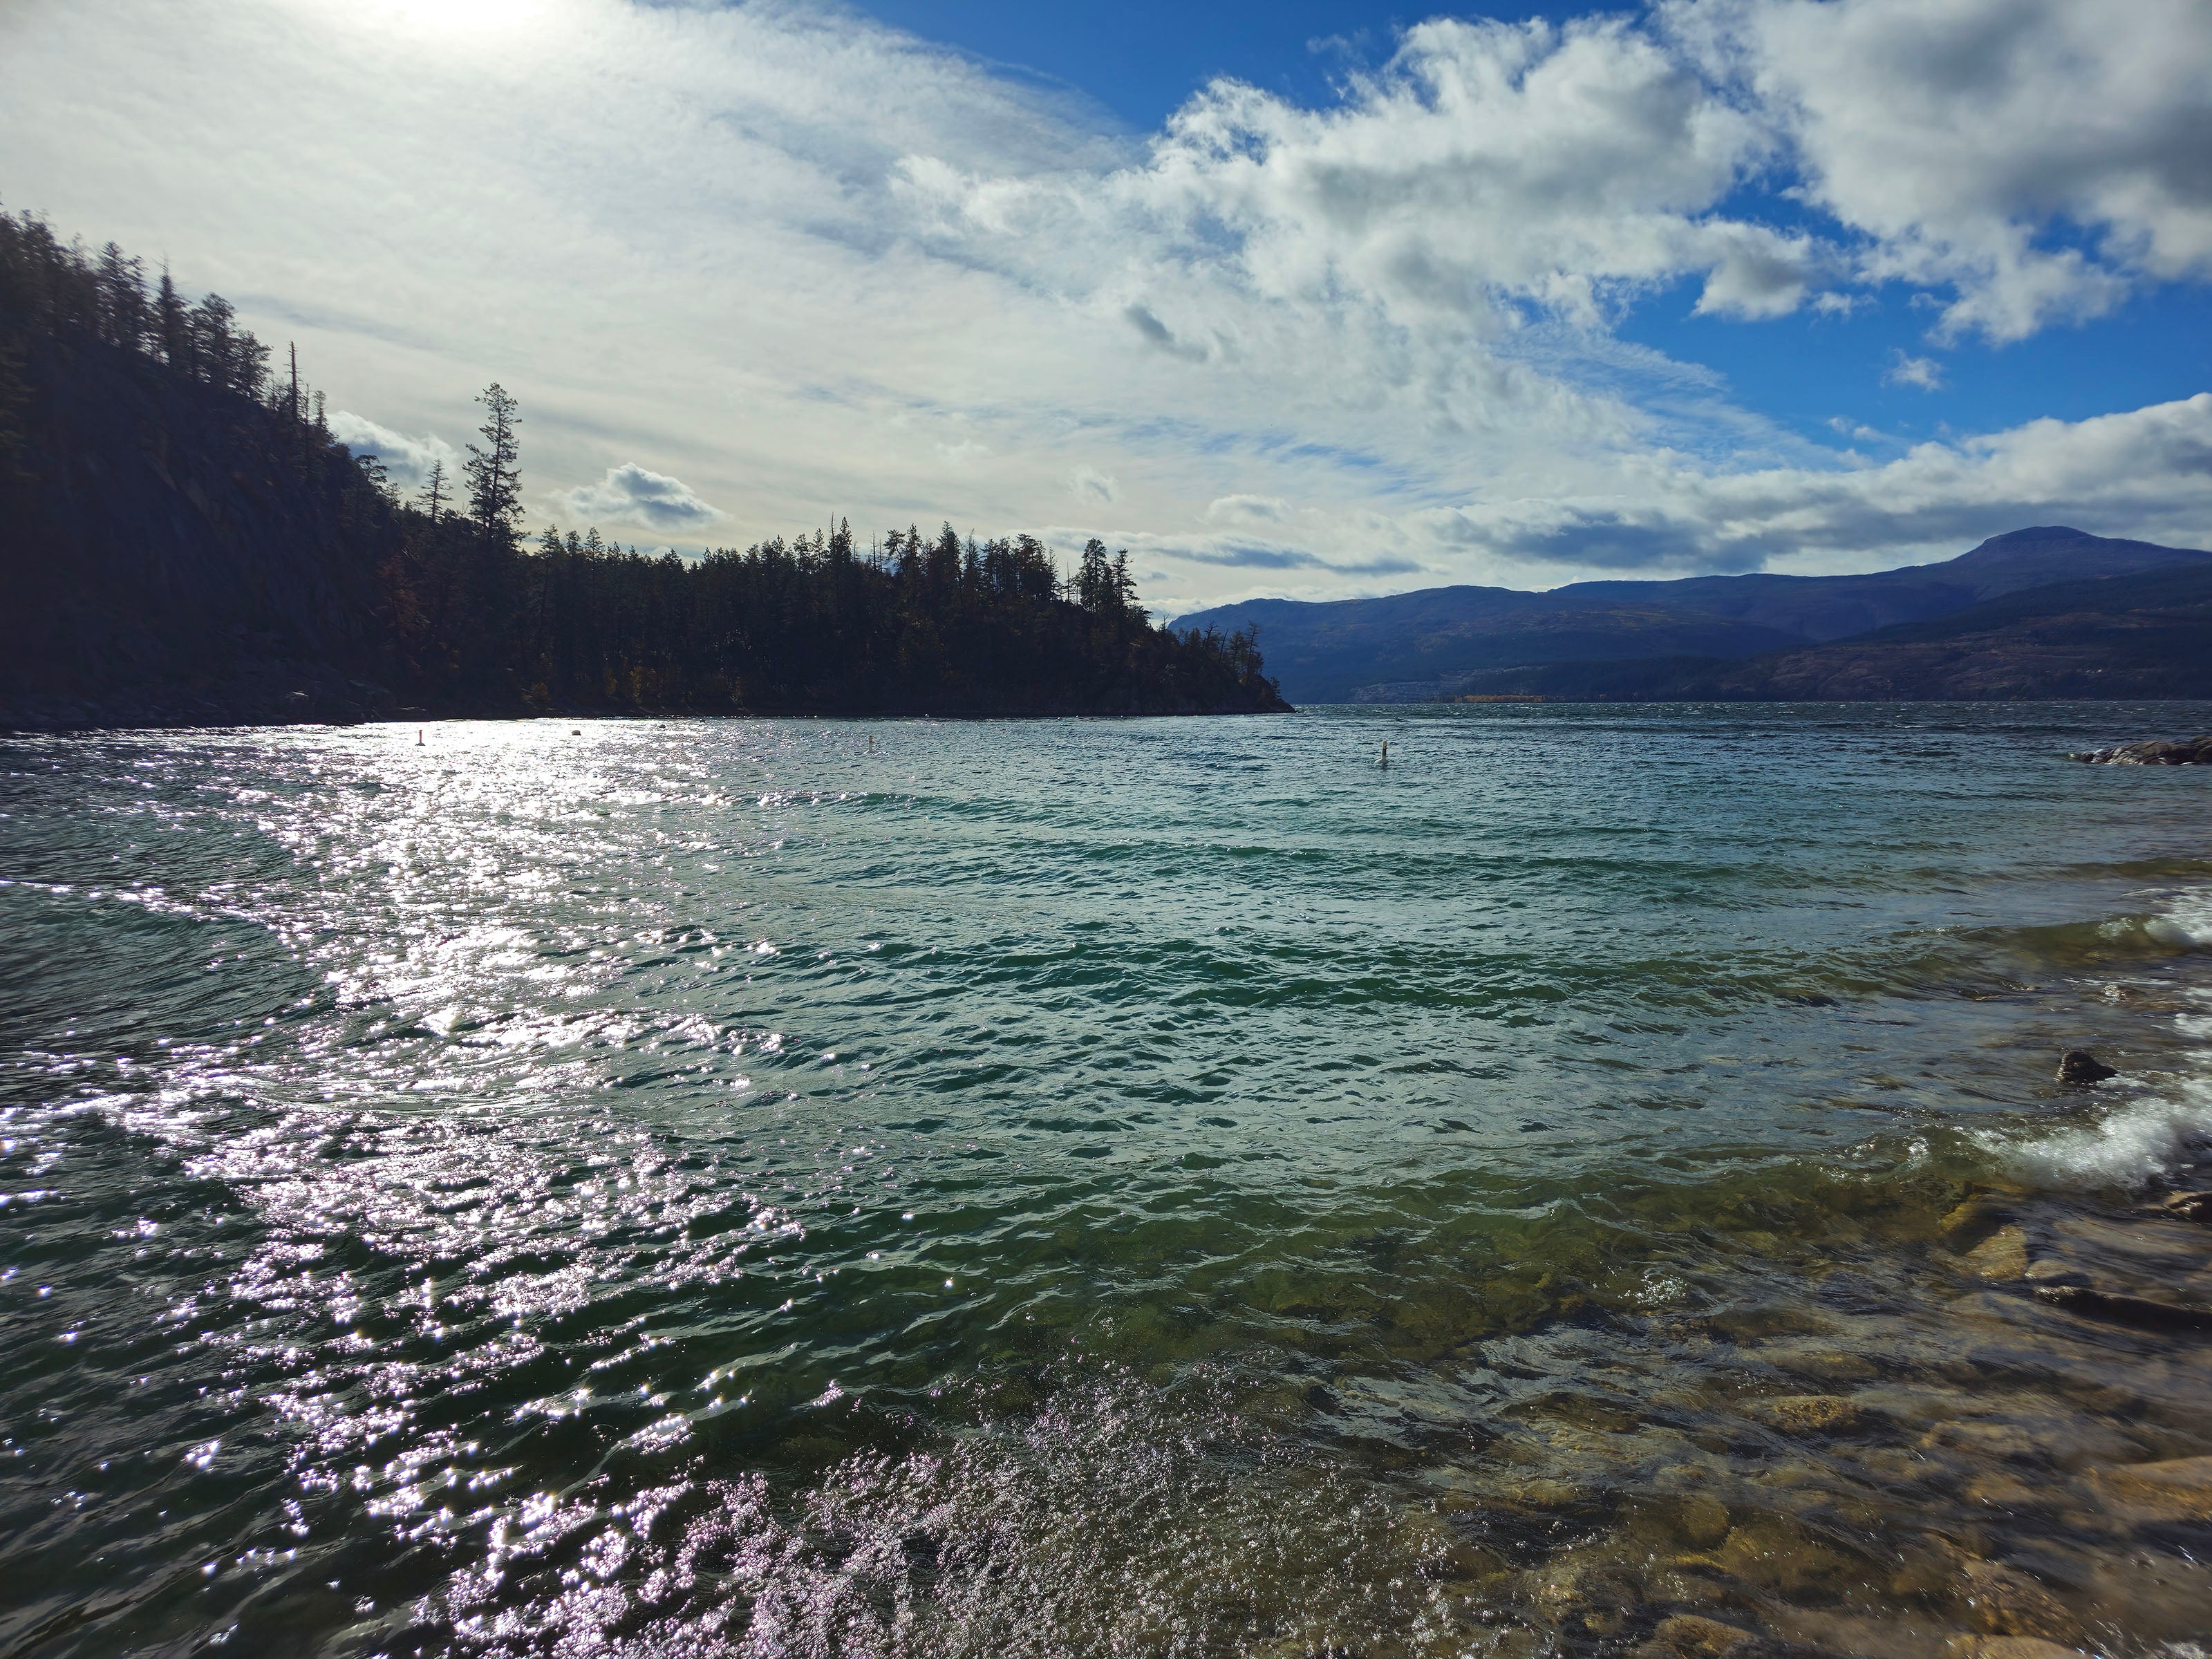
2079, 1066
2193, 751
2181, 1486
2191, 1206
2117, 1308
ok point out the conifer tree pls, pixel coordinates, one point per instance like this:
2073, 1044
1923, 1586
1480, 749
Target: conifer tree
173, 325
122, 298
493, 469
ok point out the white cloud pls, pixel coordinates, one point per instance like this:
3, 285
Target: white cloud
630, 494
2038, 157
2146, 473
407, 461
1486, 161
1486, 166
1905, 370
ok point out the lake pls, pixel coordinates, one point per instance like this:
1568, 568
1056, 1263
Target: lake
1131, 1188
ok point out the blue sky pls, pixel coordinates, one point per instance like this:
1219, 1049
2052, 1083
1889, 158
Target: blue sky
1144, 59
1304, 298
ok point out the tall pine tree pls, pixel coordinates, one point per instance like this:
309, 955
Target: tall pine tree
494, 469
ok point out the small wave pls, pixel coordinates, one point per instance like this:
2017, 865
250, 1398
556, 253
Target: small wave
2137, 1143
2185, 924
2131, 1146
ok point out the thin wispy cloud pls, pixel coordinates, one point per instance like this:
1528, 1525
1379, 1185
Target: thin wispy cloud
1089, 485
1247, 509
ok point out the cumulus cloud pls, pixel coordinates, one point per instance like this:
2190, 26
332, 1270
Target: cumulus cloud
2036, 157
1907, 370
407, 461
631, 495
1483, 167
2146, 473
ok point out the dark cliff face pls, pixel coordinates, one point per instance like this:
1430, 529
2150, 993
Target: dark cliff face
161, 532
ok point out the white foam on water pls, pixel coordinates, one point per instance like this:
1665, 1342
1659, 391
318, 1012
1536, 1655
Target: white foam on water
2139, 1140
2185, 924
2132, 1146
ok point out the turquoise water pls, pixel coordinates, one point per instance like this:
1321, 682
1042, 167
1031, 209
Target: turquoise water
1136, 1187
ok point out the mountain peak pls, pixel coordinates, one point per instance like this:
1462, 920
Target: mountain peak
2054, 553
2033, 534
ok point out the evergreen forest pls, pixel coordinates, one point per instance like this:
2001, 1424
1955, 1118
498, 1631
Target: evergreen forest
185, 539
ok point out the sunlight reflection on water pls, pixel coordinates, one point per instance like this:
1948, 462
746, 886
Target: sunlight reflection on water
1073, 1187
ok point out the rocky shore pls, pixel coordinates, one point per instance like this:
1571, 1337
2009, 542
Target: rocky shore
2191, 752
2059, 1500
1974, 1430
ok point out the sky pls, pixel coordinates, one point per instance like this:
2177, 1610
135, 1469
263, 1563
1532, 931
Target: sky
1312, 298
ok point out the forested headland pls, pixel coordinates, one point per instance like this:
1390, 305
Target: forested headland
183, 539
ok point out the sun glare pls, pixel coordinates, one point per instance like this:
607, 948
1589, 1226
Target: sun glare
453, 16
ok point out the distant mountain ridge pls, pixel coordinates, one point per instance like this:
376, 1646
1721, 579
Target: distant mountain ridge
1442, 641
2147, 635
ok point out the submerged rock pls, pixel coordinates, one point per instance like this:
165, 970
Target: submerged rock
2126, 1310
2008, 1647
2002, 1256
1810, 1414
1705, 1520
2180, 1487
2190, 1207
2121, 1310
2079, 1066
1694, 1636
2004, 1602
1976, 1219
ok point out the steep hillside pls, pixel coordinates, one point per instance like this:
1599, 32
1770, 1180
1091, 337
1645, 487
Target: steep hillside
1424, 643
182, 542
161, 532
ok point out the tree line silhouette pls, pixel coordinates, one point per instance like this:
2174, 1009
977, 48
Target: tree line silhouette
442, 598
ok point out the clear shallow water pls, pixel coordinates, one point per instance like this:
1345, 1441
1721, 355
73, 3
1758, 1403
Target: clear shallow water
1136, 1187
